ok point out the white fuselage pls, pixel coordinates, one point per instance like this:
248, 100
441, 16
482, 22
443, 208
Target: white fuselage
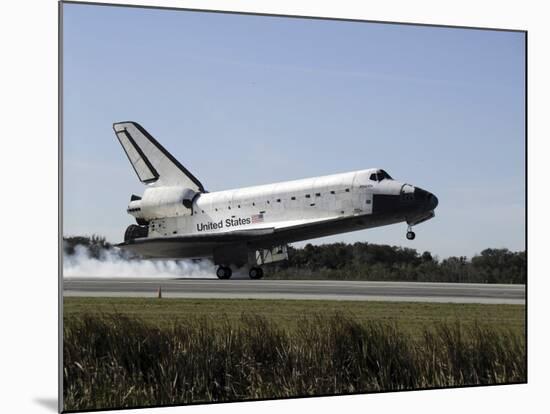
274, 205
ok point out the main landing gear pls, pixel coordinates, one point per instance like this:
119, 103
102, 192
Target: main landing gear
256, 273
410, 233
224, 272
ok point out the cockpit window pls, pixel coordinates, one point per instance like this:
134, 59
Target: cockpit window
383, 174
380, 175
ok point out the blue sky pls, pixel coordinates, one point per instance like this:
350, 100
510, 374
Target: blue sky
244, 100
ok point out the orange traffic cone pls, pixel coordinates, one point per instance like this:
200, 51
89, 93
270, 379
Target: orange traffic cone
159, 292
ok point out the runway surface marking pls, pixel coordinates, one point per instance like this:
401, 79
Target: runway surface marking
297, 289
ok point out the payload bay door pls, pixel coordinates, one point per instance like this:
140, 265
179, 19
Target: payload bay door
368, 200
362, 200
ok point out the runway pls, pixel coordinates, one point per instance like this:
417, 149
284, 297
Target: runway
297, 289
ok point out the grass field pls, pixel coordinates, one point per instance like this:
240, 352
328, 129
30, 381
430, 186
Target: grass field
410, 317
136, 352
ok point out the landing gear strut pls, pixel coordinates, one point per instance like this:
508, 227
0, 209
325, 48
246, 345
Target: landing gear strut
256, 273
410, 233
224, 272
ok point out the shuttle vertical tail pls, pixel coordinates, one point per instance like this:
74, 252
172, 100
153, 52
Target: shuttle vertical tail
152, 163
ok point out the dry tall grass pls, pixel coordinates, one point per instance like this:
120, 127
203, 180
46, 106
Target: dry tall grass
118, 361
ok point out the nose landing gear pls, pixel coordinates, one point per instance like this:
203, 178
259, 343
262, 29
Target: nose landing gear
410, 233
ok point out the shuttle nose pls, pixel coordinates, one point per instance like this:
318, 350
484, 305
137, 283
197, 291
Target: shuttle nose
425, 199
433, 201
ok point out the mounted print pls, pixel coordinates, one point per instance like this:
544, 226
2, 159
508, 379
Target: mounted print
263, 207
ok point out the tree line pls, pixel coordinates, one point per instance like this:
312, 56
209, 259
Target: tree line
94, 244
368, 261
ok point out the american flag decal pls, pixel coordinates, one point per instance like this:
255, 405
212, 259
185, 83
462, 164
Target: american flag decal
257, 218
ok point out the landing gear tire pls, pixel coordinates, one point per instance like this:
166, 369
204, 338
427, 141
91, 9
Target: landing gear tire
224, 272
411, 235
256, 273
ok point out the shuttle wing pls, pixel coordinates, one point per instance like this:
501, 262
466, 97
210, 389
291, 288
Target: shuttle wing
172, 245
151, 162
228, 236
